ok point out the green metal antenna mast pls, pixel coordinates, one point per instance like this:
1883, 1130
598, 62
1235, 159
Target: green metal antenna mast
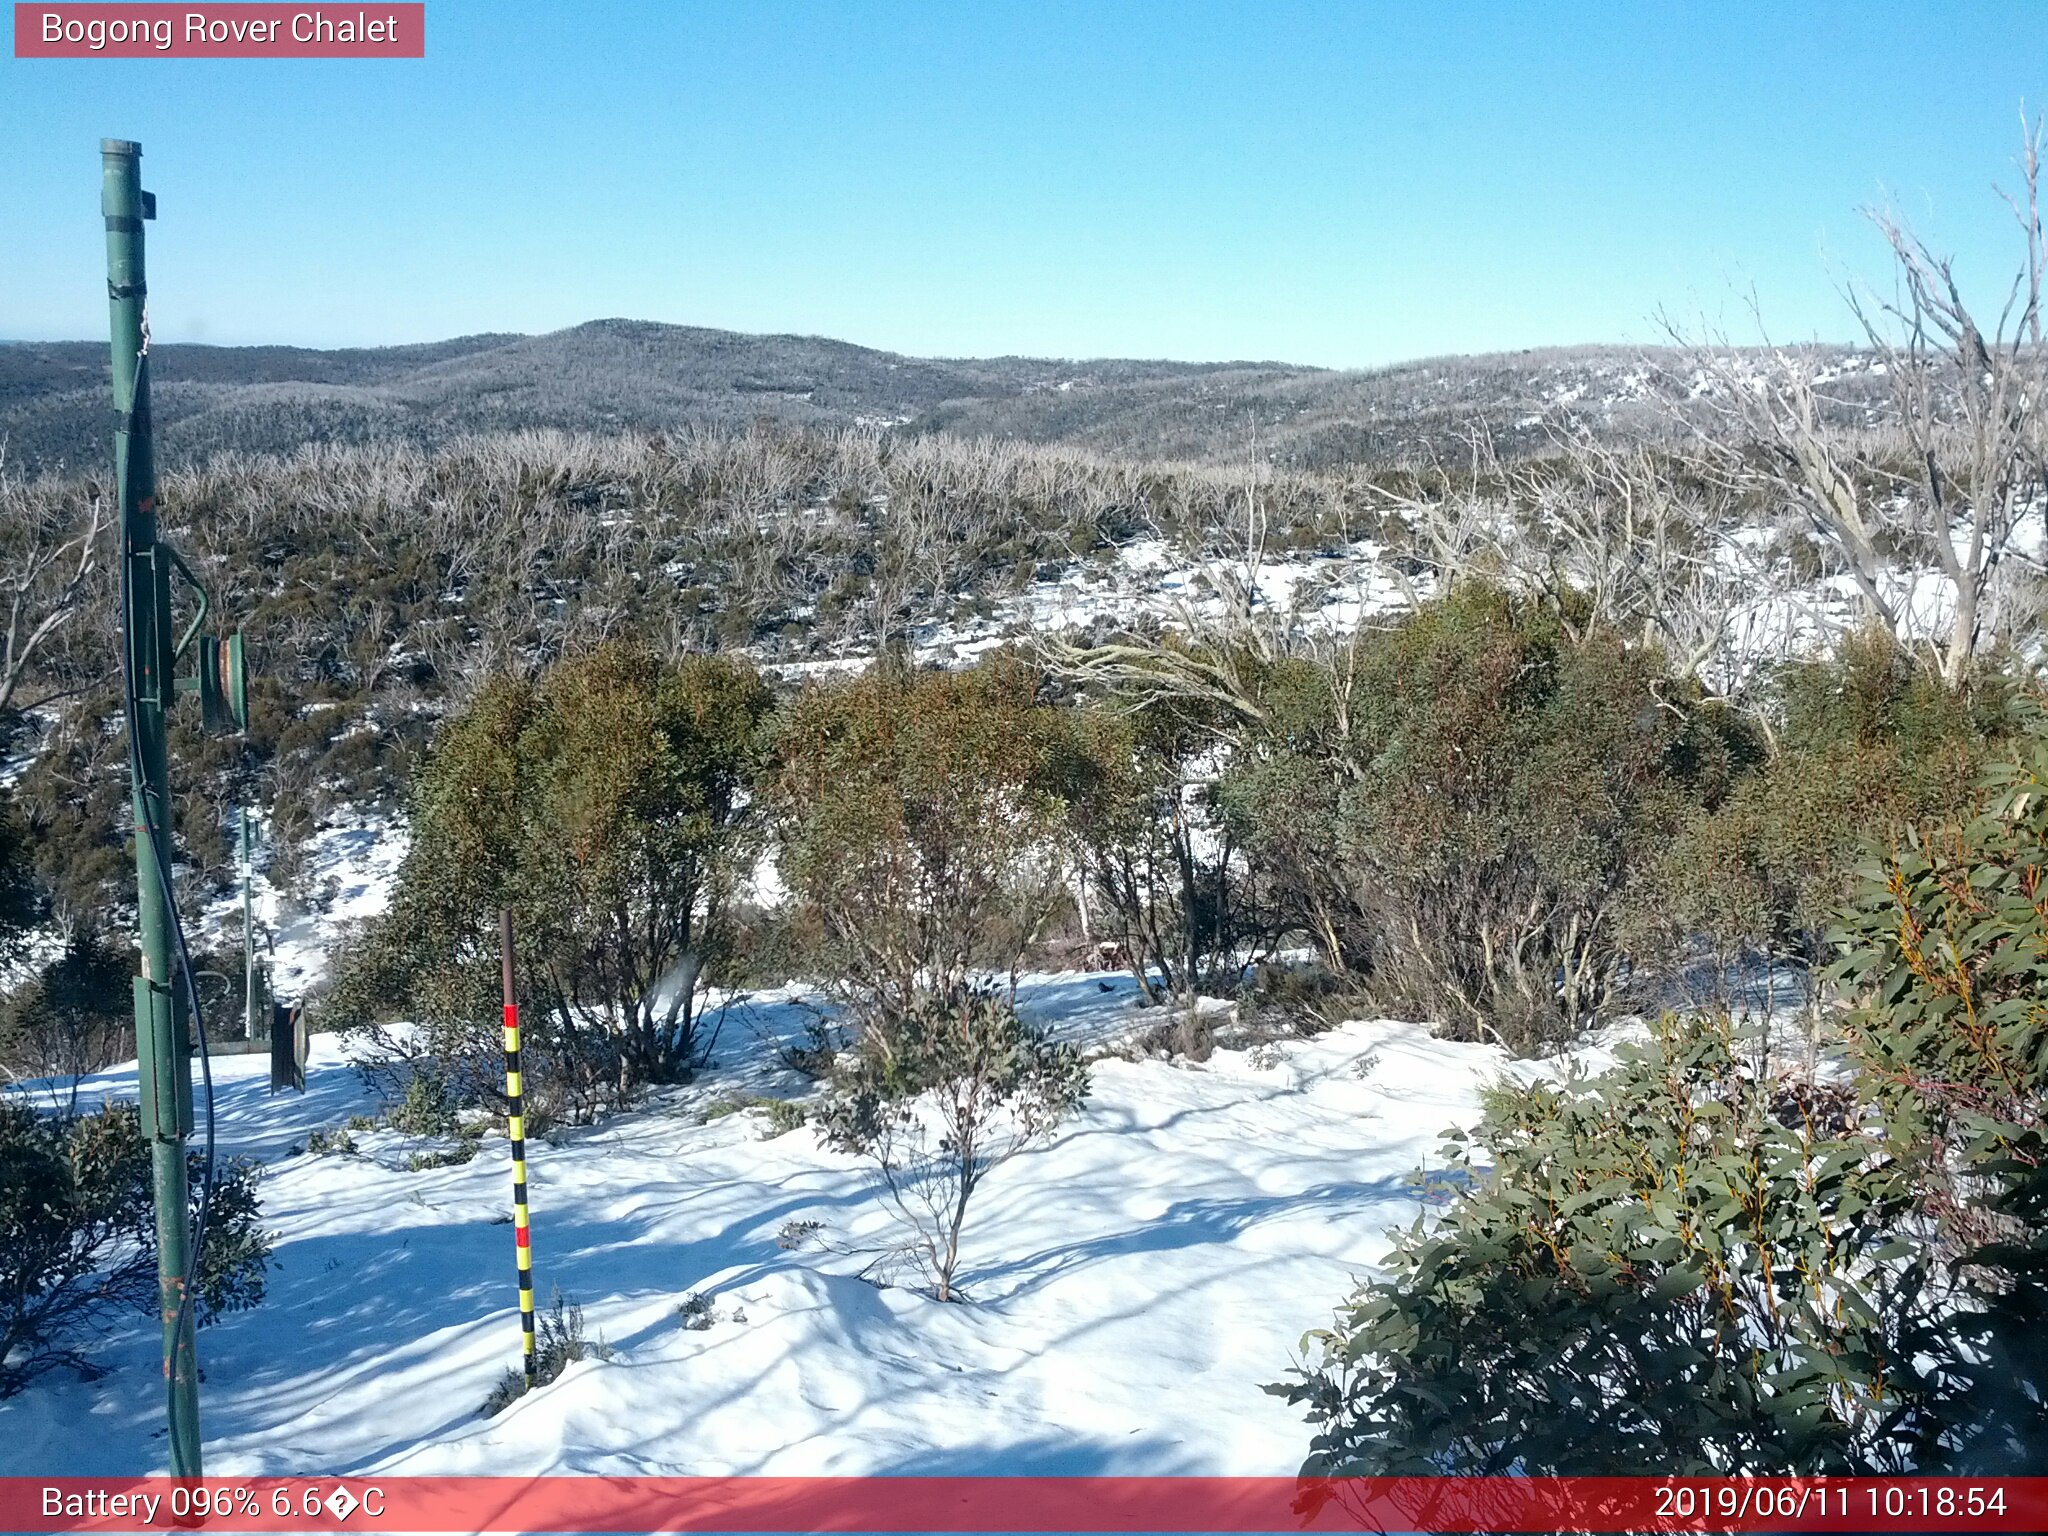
151, 655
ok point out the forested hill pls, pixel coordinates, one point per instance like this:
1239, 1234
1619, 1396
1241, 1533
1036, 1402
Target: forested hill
612, 375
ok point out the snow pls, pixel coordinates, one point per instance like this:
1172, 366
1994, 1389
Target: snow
1131, 1283
349, 869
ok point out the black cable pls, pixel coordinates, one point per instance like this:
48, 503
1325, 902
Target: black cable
160, 845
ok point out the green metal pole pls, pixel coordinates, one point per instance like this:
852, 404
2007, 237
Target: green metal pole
162, 1046
248, 939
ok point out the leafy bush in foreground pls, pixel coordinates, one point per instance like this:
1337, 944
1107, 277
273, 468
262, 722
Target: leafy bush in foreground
78, 1236
1948, 951
1689, 1264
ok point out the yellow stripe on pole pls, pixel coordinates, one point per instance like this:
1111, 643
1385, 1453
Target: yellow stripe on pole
525, 1298
511, 1037
512, 1085
515, 1127
519, 1170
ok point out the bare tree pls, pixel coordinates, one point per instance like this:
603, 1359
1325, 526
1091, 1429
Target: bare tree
1647, 539
1968, 411
49, 552
968, 1086
1215, 652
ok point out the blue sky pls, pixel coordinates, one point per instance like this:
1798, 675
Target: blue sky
1335, 183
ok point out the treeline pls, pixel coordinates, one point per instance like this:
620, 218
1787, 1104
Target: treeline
617, 376
1480, 816
378, 584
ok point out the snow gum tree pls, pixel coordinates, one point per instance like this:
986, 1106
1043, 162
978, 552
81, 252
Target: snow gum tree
1162, 874
609, 804
920, 816
1955, 480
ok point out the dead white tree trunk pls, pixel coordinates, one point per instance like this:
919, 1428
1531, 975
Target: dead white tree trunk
47, 559
1968, 406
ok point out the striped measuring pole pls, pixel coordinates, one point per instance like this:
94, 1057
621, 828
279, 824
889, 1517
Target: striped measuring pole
515, 1127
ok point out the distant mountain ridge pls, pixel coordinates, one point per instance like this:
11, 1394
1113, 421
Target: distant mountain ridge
612, 375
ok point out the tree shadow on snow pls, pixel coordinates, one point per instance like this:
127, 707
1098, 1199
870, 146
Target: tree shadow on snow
1187, 1224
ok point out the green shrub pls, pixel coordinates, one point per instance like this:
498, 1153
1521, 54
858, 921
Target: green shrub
1689, 1264
1700, 1262
428, 1109
75, 1015
20, 908
782, 1115
1460, 808
558, 1343
447, 1157
1867, 743
919, 815
78, 1236
1160, 884
608, 804
946, 1092
1947, 952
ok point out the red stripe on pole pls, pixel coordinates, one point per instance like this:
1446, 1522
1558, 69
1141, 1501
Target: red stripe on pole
522, 1237
231, 31
511, 1015
1030, 1504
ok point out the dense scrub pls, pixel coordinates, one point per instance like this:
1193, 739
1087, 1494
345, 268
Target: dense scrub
1866, 745
1461, 808
610, 375
1713, 1255
1493, 813
918, 822
380, 584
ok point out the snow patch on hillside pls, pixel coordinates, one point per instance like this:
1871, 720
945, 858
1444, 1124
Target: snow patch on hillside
347, 872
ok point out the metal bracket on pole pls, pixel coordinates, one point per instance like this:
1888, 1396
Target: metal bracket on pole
166, 1088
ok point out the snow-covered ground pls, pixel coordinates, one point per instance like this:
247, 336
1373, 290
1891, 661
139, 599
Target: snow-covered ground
1132, 1282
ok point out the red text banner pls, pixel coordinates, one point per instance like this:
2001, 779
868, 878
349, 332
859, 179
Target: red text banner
237, 31
1023, 1504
